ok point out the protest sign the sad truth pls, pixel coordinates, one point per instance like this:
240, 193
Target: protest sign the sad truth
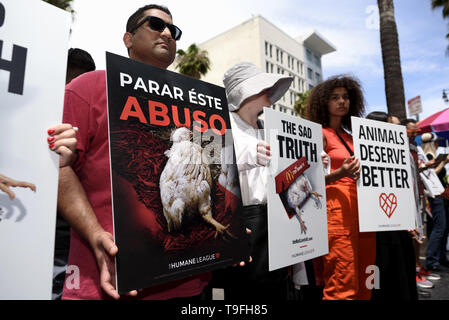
296, 195
385, 186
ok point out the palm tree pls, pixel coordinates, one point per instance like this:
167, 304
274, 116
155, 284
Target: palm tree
301, 103
445, 5
394, 84
194, 63
63, 4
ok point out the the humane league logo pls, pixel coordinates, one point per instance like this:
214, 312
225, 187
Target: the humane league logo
194, 260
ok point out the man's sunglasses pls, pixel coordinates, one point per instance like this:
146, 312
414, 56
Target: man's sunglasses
159, 25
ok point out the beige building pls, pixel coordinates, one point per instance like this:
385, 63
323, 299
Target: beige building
271, 49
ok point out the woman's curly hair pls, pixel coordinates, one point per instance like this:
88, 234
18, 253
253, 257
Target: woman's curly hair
318, 100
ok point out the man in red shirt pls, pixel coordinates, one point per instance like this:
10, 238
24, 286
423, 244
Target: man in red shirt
84, 188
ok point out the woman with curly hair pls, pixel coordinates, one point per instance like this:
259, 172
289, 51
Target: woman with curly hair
331, 104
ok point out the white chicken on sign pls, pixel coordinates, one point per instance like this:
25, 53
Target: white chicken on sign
185, 183
297, 195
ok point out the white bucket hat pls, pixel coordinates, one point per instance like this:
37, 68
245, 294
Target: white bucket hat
430, 137
245, 80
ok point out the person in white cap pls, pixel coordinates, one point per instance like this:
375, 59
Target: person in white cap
248, 91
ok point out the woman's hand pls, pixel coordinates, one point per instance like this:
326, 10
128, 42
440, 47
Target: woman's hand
62, 140
351, 168
263, 153
414, 233
6, 183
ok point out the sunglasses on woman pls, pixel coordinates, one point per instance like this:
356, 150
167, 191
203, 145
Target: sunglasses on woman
159, 25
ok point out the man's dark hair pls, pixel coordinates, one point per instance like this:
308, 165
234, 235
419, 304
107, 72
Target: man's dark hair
136, 16
318, 101
378, 116
80, 59
78, 62
407, 121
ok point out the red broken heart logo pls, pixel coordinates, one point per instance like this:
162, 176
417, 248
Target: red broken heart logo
388, 203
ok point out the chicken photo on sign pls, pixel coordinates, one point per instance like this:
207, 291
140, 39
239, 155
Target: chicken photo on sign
175, 189
295, 189
186, 183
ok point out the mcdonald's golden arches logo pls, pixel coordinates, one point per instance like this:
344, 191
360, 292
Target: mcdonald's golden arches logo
289, 176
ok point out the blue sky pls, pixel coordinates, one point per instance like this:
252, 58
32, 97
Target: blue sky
351, 25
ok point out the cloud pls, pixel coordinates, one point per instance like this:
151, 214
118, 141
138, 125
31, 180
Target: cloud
431, 104
350, 25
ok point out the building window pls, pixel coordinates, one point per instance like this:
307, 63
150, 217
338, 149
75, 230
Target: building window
316, 60
271, 51
310, 73
317, 77
310, 87
309, 55
267, 66
271, 67
282, 57
277, 54
266, 48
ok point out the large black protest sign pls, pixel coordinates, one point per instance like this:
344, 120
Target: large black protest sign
175, 199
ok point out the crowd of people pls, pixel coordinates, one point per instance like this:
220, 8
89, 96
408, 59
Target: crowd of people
84, 196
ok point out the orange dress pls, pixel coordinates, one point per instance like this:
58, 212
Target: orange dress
350, 251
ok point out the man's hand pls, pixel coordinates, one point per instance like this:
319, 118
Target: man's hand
105, 250
6, 183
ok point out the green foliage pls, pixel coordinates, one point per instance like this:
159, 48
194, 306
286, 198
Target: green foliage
441, 3
194, 63
301, 103
444, 4
62, 4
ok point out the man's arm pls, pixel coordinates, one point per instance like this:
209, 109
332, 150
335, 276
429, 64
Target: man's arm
76, 209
